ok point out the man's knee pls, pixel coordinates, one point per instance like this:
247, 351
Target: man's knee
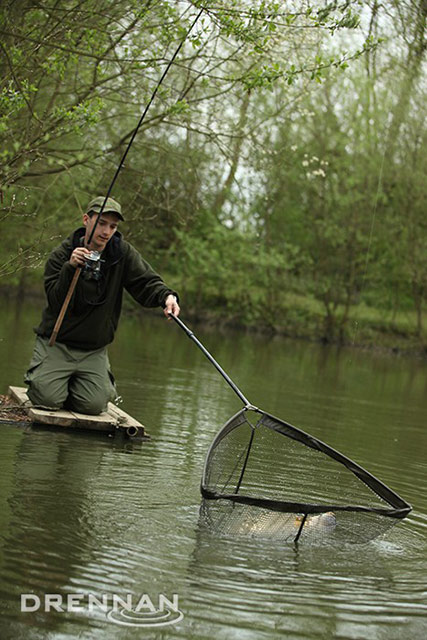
47, 377
45, 395
92, 405
90, 393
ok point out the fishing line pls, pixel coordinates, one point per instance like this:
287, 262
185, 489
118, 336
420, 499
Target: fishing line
135, 132
76, 276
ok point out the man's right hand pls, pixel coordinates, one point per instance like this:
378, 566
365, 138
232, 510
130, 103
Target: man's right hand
77, 258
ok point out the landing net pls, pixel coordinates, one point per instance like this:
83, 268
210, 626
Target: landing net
265, 478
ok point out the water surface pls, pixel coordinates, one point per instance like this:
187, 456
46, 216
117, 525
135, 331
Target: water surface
84, 513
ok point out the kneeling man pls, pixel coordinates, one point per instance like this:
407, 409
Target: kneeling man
75, 373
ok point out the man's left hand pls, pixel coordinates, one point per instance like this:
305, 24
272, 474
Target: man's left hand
171, 306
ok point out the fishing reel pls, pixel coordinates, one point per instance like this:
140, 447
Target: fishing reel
92, 267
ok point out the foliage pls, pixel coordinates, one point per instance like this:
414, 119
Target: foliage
278, 175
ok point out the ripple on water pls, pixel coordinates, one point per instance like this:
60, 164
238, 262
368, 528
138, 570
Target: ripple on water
81, 513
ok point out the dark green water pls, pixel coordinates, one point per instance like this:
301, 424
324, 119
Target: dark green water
87, 514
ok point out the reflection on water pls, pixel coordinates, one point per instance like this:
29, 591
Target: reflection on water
83, 513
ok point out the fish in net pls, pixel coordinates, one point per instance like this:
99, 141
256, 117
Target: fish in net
264, 478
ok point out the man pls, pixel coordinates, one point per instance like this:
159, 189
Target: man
75, 373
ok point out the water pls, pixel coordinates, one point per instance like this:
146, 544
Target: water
87, 514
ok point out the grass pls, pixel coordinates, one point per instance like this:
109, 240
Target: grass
297, 315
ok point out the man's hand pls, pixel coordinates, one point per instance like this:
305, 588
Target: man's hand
171, 306
78, 257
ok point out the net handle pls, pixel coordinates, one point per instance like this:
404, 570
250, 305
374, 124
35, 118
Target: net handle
212, 360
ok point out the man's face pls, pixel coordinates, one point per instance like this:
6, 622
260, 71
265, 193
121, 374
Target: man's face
105, 228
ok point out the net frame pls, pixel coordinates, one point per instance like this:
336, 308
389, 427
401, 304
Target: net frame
398, 507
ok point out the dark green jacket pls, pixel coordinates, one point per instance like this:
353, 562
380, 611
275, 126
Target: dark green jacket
93, 315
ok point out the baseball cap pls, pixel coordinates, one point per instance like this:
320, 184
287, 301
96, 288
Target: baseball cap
111, 206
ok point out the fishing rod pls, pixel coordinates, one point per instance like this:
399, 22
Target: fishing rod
78, 271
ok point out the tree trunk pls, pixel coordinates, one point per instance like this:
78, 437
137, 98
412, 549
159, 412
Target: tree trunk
222, 194
416, 50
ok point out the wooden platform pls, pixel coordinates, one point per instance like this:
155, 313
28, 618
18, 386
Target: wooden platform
112, 420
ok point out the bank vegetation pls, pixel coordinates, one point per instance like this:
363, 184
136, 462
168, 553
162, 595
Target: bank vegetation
278, 180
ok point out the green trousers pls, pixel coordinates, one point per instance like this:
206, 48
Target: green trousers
61, 377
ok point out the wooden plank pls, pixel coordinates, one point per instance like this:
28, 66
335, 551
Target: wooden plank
109, 420
56, 418
42, 416
19, 394
103, 418
69, 419
63, 418
124, 421
122, 418
101, 422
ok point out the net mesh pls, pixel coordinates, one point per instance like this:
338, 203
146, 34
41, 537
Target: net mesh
264, 478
